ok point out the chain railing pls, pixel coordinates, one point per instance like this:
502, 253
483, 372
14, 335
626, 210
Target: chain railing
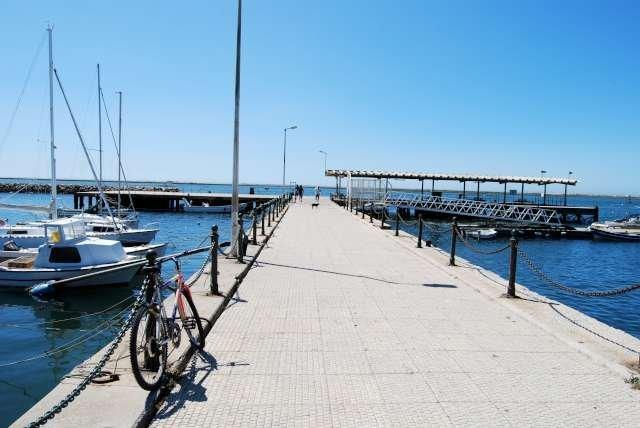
586, 293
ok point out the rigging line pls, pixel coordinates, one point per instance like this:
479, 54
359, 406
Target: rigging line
115, 144
22, 91
67, 319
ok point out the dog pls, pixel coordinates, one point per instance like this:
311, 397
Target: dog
315, 205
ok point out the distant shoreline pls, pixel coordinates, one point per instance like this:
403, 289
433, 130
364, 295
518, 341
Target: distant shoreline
203, 183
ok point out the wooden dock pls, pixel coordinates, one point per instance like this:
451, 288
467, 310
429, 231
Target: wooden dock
165, 201
342, 323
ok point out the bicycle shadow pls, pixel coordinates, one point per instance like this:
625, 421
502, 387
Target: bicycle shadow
191, 385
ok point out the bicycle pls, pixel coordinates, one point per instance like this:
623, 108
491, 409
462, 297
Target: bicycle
152, 330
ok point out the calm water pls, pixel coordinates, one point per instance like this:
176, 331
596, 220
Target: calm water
584, 264
29, 328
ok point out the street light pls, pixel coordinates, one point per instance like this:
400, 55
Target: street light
544, 194
284, 153
325, 159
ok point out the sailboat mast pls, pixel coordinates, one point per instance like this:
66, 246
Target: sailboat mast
54, 184
99, 125
119, 148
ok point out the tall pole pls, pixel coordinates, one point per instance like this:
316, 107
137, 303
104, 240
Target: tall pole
284, 157
54, 184
119, 149
99, 125
236, 142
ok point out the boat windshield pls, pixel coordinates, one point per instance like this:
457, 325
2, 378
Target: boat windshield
57, 233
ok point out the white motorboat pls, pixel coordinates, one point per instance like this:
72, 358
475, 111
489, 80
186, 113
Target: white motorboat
626, 229
481, 233
69, 253
13, 251
206, 208
32, 235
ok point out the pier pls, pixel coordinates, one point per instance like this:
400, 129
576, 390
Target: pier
150, 200
511, 205
339, 321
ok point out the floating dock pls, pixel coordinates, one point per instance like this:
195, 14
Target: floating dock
150, 200
365, 329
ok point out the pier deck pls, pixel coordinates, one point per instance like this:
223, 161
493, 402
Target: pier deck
342, 323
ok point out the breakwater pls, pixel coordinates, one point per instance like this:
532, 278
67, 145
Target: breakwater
69, 189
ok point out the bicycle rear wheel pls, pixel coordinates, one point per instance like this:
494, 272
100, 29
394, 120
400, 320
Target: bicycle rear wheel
148, 349
191, 322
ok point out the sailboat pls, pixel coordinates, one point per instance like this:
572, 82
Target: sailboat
32, 235
67, 252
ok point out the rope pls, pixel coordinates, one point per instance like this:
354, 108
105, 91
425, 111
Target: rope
22, 91
585, 293
476, 249
72, 343
67, 319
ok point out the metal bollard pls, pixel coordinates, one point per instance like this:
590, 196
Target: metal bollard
269, 216
262, 220
240, 251
454, 235
397, 223
255, 228
363, 210
371, 214
419, 230
382, 217
213, 274
513, 242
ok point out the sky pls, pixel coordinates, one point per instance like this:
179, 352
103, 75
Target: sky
477, 87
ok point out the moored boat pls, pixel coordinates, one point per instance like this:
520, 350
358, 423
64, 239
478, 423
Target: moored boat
188, 207
626, 229
69, 253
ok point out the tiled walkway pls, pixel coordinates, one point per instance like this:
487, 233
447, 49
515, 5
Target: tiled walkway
339, 325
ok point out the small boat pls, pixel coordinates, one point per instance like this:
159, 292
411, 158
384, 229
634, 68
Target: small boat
188, 207
626, 229
69, 253
11, 251
32, 235
481, 233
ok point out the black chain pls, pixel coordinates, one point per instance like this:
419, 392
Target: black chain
586, 293
51, 413
477, 250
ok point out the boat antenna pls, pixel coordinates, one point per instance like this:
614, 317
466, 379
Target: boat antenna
54, 184
86, 152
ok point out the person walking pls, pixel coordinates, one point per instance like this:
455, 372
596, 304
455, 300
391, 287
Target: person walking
317, 193
301, 193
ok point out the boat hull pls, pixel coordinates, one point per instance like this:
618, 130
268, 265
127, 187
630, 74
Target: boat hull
12, 278
213, 209
615, 236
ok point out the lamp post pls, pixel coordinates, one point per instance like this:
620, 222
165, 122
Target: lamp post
235, 205
284, 153
565, 188
544, 192
325, 159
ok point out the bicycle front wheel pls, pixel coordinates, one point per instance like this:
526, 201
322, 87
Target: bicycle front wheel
148, 349
191, 322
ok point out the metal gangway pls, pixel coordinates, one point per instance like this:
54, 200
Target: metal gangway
470, 208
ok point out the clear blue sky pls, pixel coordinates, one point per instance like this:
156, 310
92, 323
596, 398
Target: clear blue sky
492, 87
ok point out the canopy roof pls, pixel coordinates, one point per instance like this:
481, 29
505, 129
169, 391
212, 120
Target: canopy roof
448, 177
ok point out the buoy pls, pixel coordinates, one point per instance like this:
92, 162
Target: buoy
42, 289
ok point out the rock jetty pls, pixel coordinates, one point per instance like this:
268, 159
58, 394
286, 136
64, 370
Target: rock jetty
72, 188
